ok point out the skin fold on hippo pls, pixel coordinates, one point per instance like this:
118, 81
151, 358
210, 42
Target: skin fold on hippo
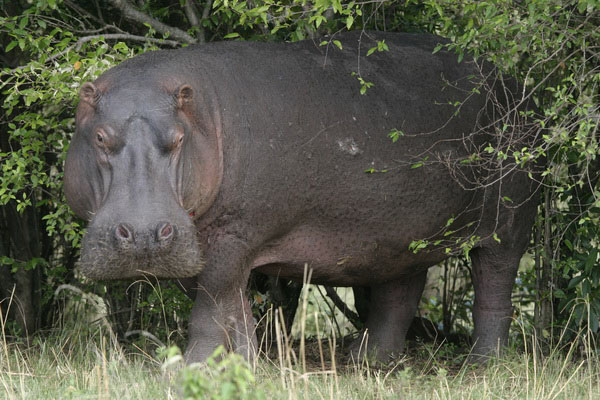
205, 163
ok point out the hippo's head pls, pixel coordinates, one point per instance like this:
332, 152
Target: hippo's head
143, 161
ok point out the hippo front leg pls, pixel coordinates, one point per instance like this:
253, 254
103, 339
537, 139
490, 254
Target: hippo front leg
221, 314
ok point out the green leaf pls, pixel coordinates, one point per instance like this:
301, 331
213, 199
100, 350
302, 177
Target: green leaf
349, 22
395, 135
496, 238
582, 6
586, 288
338, 44
416, 245
4, 260
590, 261
594, 320
10, 46
319, 20
231, 35
575, 281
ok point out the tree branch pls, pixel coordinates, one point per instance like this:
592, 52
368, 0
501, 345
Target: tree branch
124, 36
206, 12
131, 13
190, 13
207, 8
339, 303
192, 16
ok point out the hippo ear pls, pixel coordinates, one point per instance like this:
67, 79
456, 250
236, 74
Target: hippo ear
90, 93
184, 95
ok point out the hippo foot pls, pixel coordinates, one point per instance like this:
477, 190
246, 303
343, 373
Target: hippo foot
228, 323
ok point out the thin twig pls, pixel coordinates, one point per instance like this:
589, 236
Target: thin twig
109, 36
131, 13
339, 303
192, 15
126, 36
205, 13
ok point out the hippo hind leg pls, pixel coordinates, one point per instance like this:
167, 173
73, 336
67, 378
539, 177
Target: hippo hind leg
494, 270
392, 308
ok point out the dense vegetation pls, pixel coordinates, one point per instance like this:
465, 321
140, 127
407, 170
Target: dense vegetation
50, 47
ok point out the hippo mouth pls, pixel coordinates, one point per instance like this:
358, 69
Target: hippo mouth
106, 257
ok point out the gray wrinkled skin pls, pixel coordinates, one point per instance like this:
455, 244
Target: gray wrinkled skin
211, 161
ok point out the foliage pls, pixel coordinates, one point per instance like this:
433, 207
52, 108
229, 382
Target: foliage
552, 47
452, 304
224, 376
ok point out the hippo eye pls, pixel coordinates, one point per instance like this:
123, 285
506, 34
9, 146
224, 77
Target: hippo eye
178, 140
100, 138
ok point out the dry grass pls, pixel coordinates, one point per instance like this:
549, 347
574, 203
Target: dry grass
83, 361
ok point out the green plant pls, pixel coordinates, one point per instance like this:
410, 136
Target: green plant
223, 376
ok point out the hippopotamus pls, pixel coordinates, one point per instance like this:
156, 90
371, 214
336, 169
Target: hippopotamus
205, 163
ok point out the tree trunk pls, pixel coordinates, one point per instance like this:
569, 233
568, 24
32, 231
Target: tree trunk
544, 277
19, 286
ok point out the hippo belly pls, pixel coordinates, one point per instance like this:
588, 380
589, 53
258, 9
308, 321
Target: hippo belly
341, 257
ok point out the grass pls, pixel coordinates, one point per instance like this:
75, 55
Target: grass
85, 361
56, 368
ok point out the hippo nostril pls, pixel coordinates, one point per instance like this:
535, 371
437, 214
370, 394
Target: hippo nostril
124, 233
165, 231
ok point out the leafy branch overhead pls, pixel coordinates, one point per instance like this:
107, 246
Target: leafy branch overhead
133, 14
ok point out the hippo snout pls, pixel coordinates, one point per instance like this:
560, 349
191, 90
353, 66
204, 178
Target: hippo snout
124, 235
125, 250
165, 232
158, 236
